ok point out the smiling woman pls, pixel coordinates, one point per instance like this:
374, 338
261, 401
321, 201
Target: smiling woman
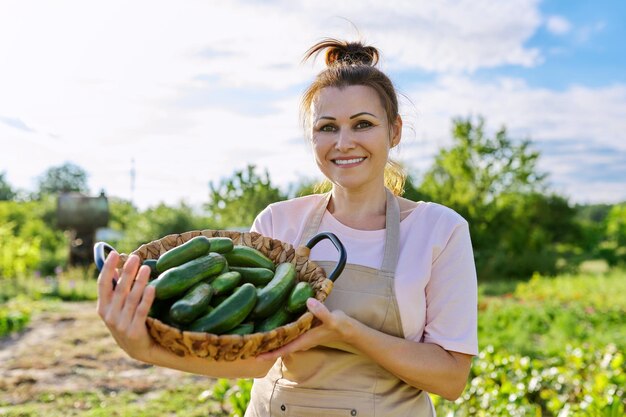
400, 321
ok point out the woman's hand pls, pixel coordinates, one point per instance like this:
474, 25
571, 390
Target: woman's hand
124, 307
335, 326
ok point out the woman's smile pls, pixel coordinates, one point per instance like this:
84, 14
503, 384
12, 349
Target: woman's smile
348, 162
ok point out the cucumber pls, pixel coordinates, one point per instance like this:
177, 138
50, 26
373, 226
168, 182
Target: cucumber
255, 276
152, 264
160, 309
221, 244
193, 304
225, 282
280, 317
192, 249
218, 299
179, 279
243, 328
242, 255
296, 303
273, 295
229, 314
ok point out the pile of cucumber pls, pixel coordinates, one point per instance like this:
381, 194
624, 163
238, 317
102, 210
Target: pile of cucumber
212, 285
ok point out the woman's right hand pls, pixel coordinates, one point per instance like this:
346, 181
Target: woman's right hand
124, 307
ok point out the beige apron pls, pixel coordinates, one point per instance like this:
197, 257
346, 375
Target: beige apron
337, 380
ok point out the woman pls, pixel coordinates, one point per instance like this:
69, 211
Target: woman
401, 319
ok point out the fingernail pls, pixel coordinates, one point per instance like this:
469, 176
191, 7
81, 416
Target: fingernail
312, 303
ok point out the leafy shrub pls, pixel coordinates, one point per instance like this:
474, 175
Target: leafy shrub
581, 381
14, 316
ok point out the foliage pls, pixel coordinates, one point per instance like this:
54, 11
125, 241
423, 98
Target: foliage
6, 191
153, 223
581, 381
236, 201
495, 184
17, 254
14, 316
613, 248
28, 238
63, 178
236, 395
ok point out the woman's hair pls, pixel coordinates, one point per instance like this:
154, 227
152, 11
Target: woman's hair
348, 64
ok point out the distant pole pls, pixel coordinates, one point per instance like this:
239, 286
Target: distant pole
132, 180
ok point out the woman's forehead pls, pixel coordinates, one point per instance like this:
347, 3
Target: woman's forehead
346, 101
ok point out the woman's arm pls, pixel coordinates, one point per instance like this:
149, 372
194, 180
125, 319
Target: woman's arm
124, 310
425, 366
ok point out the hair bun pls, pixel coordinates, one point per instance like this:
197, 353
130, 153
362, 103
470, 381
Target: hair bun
344, 53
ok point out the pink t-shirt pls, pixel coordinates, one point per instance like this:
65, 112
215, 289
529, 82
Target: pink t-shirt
435, 281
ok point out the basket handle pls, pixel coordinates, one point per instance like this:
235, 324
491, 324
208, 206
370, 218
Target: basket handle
100, 252
341, 263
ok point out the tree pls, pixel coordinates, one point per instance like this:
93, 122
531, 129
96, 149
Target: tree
236, 201
613, 248
64, 178
494, 182
6, 192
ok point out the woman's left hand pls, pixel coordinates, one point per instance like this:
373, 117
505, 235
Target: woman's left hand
335, 327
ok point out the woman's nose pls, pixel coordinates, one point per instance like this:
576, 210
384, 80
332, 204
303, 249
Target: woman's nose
345, 140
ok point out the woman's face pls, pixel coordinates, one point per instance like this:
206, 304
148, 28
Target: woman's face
351, 137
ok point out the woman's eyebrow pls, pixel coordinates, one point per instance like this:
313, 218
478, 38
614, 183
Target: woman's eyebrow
361, 114
351, 117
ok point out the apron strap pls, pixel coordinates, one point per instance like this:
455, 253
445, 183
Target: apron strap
392, 228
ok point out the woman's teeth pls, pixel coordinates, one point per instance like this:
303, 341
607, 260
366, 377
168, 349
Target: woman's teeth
348, 161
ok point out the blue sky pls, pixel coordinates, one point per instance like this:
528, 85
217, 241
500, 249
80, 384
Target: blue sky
191, 91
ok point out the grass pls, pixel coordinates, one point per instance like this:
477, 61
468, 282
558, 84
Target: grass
192, 400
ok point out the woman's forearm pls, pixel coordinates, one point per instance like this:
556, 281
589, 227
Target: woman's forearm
425, 366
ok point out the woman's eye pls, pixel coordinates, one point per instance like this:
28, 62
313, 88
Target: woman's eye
327, 128
363, 124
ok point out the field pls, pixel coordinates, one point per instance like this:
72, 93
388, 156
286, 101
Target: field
549, 347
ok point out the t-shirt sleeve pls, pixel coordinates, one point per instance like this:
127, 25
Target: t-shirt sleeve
263, 223
451, 296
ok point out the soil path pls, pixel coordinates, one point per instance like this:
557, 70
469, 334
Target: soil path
70, 349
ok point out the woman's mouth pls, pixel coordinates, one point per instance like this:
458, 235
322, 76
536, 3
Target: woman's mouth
348, 162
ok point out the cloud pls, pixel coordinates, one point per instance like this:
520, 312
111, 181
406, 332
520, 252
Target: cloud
579, 130
15, 123
558, 25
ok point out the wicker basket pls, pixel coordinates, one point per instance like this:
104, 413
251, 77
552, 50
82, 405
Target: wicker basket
232, 347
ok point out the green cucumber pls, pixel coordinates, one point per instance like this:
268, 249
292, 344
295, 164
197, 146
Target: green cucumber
179, 279
296, 303
280, 317
160, 309
242, 255
193, 304
229, 314
273, 295
152, 264
256, 276
218, 299
221, 244
191, 249
243, 328
226, 282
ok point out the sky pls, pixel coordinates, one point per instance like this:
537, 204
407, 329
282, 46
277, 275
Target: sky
184, 93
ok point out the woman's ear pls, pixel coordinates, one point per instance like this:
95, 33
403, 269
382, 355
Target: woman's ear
396, 131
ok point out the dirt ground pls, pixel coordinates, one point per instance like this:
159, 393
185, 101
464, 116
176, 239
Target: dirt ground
70, 350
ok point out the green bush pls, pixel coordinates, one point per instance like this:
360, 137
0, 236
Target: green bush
581, 381
14, 316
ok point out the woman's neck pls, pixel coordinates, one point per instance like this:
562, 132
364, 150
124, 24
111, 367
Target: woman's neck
364, 210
